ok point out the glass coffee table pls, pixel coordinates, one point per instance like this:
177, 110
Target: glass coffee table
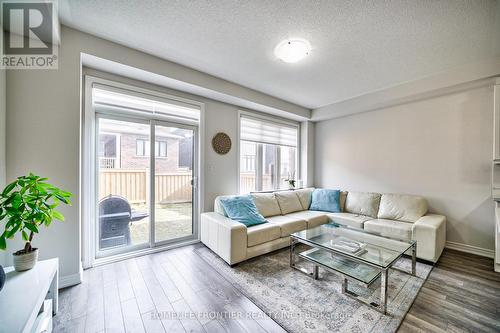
354, 254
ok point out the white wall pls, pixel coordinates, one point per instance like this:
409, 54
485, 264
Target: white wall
43, 132
307, 153
440, 148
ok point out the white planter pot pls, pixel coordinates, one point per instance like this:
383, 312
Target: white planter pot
23, 262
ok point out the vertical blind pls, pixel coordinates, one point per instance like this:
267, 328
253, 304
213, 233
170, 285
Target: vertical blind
265, 131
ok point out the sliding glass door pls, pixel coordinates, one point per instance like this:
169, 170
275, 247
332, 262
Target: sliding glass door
124, 220
174, 176
146, 193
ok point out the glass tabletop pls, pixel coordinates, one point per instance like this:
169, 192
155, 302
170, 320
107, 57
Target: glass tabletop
366, 247
358, 271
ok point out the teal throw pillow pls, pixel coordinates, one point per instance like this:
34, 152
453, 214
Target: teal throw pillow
325, 200
241, 208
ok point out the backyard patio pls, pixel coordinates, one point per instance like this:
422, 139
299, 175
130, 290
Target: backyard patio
172, 221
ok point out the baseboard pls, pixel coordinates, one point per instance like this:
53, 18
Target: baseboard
71, 280
470, 249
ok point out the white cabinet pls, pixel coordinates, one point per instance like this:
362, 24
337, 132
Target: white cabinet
29, 299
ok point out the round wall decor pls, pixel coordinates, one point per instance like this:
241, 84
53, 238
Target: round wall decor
221, 142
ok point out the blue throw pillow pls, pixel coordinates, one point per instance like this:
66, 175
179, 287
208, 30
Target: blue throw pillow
242, 209
325, 200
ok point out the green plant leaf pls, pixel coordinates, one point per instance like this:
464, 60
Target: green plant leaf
29, 202
3, 243
31, 227
57, 215
25, 235
9, 188
13, 230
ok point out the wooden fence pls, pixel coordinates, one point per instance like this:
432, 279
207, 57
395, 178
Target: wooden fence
134, 185
247, 182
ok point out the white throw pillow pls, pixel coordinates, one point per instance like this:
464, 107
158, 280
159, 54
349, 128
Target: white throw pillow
362, 203
289, 202
266, 204
305, 196
402, 207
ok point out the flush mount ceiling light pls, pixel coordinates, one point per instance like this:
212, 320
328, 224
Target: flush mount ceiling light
292, 50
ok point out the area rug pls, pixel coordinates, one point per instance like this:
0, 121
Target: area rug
301, 304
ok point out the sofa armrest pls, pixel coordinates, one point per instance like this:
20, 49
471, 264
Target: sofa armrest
224, 236
430, 233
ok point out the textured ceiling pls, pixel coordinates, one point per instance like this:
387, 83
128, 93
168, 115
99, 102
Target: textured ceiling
358, 46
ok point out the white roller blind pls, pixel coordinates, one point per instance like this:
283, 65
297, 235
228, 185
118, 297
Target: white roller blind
265, 131
112, 99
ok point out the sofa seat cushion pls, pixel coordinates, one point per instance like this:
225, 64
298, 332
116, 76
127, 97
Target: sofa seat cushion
348, 219
288, 224
362, 203
402, 207
262, 233
289, 202
313, 218
266, 204
390, 228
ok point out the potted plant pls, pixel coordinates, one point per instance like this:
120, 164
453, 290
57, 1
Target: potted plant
25, 205
291, 180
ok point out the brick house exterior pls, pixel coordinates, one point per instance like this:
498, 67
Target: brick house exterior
123, 147
130, 160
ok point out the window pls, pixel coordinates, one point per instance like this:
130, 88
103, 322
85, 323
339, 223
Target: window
268, 154
142, 148
107, 145
161, 148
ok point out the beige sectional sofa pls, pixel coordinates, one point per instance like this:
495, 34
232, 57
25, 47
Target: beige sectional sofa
397, 216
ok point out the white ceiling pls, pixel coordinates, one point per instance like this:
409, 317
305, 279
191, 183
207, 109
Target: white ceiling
358, 46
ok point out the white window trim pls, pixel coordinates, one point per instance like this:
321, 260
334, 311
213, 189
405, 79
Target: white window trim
258, 168
88, 180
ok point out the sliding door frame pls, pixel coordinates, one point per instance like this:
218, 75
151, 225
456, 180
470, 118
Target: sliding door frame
89, 167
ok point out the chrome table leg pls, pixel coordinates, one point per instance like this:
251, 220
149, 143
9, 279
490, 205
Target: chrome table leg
414, 259
315, 272
383, 291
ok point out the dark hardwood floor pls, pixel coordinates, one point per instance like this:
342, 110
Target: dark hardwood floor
462, 294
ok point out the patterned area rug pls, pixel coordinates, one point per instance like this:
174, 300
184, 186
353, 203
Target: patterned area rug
301, 304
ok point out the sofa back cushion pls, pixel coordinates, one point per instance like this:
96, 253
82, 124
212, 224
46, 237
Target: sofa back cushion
402, 207
218, 208
362, 203
305, 196
325, 200
266, 204
343, 197
288, 201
